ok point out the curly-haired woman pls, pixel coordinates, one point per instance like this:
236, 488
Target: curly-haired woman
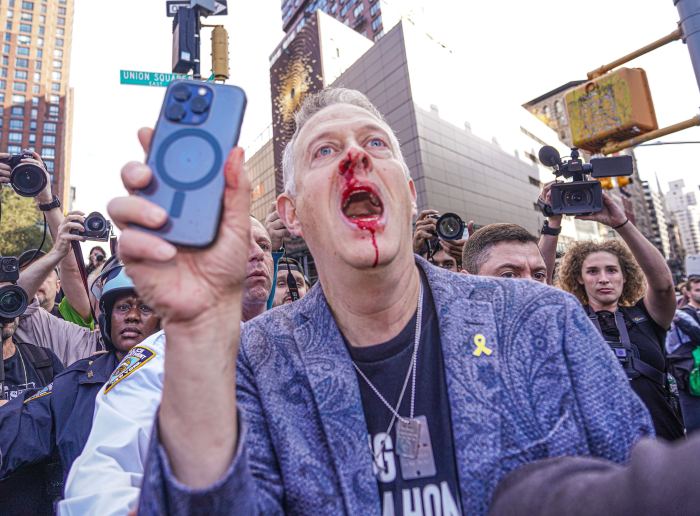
628, 293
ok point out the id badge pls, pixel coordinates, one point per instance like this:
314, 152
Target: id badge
423, 465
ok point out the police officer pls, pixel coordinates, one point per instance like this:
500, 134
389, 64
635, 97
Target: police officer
58, 417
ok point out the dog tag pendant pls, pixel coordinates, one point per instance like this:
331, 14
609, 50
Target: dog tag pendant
408, 438
422, 466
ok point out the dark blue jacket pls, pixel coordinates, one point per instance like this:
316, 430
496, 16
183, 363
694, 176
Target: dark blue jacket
55, 418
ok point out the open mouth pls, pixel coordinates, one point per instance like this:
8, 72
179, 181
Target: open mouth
362, 203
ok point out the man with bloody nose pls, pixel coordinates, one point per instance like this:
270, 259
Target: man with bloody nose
392, 387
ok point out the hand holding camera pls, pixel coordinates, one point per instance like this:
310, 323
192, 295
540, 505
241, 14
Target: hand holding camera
93, 227
611, 214
26, 173
13, 298
276, 228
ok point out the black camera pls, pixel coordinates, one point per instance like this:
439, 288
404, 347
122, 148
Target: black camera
581, 196
96, 227
13, 299
448, 226
27, 179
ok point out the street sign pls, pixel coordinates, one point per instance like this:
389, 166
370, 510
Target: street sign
213, 7
137, 78
171, 6
148, 78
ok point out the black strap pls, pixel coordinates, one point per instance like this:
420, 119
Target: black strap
637, 363
41, 361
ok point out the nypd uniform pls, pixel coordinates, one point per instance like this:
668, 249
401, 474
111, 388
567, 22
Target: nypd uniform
55, 418
106, 478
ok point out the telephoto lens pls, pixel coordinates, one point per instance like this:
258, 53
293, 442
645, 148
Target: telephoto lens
13, 302
450, 227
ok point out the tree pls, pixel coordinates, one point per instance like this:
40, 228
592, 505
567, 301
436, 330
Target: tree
21, 224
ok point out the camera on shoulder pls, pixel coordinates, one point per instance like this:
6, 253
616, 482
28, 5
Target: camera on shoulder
581, 196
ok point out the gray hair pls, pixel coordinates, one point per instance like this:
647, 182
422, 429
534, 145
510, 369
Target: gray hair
316, 102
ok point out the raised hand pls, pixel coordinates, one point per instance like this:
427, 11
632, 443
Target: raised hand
611, 215
425, 229
276, 228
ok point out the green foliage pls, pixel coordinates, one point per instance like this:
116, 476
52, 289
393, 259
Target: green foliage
21, 225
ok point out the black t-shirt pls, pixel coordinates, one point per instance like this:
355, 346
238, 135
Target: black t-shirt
407, 487
666, 422
15, 380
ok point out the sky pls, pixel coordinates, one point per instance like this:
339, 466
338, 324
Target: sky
505, 52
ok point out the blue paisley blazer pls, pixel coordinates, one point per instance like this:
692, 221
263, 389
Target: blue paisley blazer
550, 387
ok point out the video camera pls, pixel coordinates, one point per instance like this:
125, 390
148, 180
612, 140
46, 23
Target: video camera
581, 196
27, 179
13, 299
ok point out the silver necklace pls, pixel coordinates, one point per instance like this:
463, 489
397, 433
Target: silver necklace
408, 429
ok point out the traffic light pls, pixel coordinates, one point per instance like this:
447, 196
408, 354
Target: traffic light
219, 53
616, 106
623, 181
606, 183
185, 49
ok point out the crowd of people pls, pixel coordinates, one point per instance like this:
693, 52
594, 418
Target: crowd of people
418, 375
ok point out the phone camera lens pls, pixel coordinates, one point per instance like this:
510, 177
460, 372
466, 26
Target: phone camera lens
199, 104
181, 93
175, 112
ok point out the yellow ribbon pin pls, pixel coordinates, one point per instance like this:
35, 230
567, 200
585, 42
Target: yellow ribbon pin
480, 343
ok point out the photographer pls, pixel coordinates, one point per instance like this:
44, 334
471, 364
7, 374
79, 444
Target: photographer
446, 254
69, 341
97, 257
283, 295
609, 279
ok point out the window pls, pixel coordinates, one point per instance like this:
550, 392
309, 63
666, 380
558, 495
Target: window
59, 42
6, 49
58, 53
358, 10
37, 65
3, 72
32, 125
29, 6
48, 139
39, 52
5, 60
50, 127
14, 137
53, 111
17, 111
18, 99
26, 17
61, 21
55, 76
10, 14
8, 37
21, 63
49, 164
14, 149
21, 74
8, 25
35, 89
23, 39
55, 86
40, 42
41, 30
32, 138
3, 84
22, 51
376, 23
17, 125
43, 8
57, 63
34, 113
37, 77
42, 19
61, 11
54, 99
374, 9
48, 152
25, 27
60, 32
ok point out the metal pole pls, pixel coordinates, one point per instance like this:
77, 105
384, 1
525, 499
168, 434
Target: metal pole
676, 34
689, 12
611, 147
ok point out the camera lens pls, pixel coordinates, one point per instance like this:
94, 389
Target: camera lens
199, 104
13, 302
9, 265
28, 180
95, 222
450, 227
99, 258
576, 197
181, 93
175, 112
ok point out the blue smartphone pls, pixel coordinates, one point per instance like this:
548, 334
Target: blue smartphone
199, 124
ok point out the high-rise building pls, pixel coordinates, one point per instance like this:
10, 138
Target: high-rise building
363, 16
684, 208
34, 94
659, 223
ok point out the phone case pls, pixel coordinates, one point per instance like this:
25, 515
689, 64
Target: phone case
199, 124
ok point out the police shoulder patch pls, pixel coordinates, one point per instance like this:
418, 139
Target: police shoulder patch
41, 393
134, 359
